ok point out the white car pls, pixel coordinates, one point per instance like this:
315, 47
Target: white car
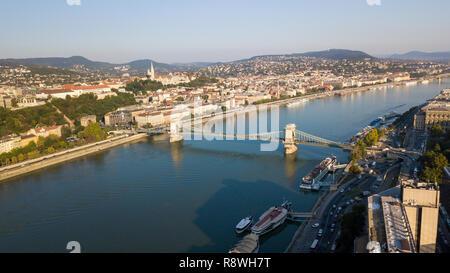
316, 225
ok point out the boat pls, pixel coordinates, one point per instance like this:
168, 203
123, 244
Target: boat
270, 220
298, 102
377, 121
391, 115
244, 224
249, 244
311, 180
410, 83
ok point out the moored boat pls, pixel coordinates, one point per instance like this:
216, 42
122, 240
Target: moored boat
269, 220
244, 224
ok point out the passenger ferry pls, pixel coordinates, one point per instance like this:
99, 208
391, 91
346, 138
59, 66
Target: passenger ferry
310, 181
298, 102
271, 219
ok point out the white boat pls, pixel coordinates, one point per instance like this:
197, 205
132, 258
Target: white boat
298, 102
244, 224
271, 219
312, 180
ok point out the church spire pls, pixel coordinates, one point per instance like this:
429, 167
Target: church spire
152, 72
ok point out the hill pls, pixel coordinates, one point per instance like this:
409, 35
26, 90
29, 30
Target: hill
336, 54
425, 56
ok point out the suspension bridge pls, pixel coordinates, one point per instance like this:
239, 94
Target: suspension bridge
290, 136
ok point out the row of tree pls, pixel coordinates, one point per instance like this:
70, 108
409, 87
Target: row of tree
53, 143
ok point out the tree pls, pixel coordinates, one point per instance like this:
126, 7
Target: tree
354, 169
372, 137
21, 157
433, 163
65, 132
93, 132
436, 130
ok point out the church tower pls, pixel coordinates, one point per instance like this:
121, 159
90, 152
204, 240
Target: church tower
152, 72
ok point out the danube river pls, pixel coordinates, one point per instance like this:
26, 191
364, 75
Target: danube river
151, 196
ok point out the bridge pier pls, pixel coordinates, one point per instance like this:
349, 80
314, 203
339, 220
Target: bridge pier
175, 133
290, 147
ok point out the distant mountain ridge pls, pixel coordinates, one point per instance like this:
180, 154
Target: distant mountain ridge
331, 54
70, 62
141, 66
425, 56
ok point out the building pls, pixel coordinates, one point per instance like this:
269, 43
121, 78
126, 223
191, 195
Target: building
7, 143
46, 131
437, 111
118, 118
404, 219
421, 205
153, 119
86, 120
388, 229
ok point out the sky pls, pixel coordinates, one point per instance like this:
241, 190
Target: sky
173, 31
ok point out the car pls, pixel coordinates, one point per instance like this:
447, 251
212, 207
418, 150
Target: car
341, 191
333, 225
320, 232
359, 176
332, 230
315, 225
334, 206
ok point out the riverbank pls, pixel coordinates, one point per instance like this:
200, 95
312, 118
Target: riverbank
348, 91
63, 156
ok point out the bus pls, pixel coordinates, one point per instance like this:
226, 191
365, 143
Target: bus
314, 245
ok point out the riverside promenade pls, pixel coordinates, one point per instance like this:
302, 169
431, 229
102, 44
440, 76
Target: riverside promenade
21, 168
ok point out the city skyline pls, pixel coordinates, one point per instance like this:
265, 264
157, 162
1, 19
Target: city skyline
196, 32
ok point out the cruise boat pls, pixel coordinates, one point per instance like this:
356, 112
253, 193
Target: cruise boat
244, 224
310, 181
269, 220
298, 102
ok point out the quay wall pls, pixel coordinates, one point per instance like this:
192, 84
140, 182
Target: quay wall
50, 160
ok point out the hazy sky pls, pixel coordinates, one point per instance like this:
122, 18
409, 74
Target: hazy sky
213, 30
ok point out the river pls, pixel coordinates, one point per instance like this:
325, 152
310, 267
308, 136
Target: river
151, 196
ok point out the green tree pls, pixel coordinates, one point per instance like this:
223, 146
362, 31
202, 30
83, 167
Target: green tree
372, 137
93, 133
354, 169
436, 130
21, 157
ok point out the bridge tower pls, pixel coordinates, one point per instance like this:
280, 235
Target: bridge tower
290, 146
175, 132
